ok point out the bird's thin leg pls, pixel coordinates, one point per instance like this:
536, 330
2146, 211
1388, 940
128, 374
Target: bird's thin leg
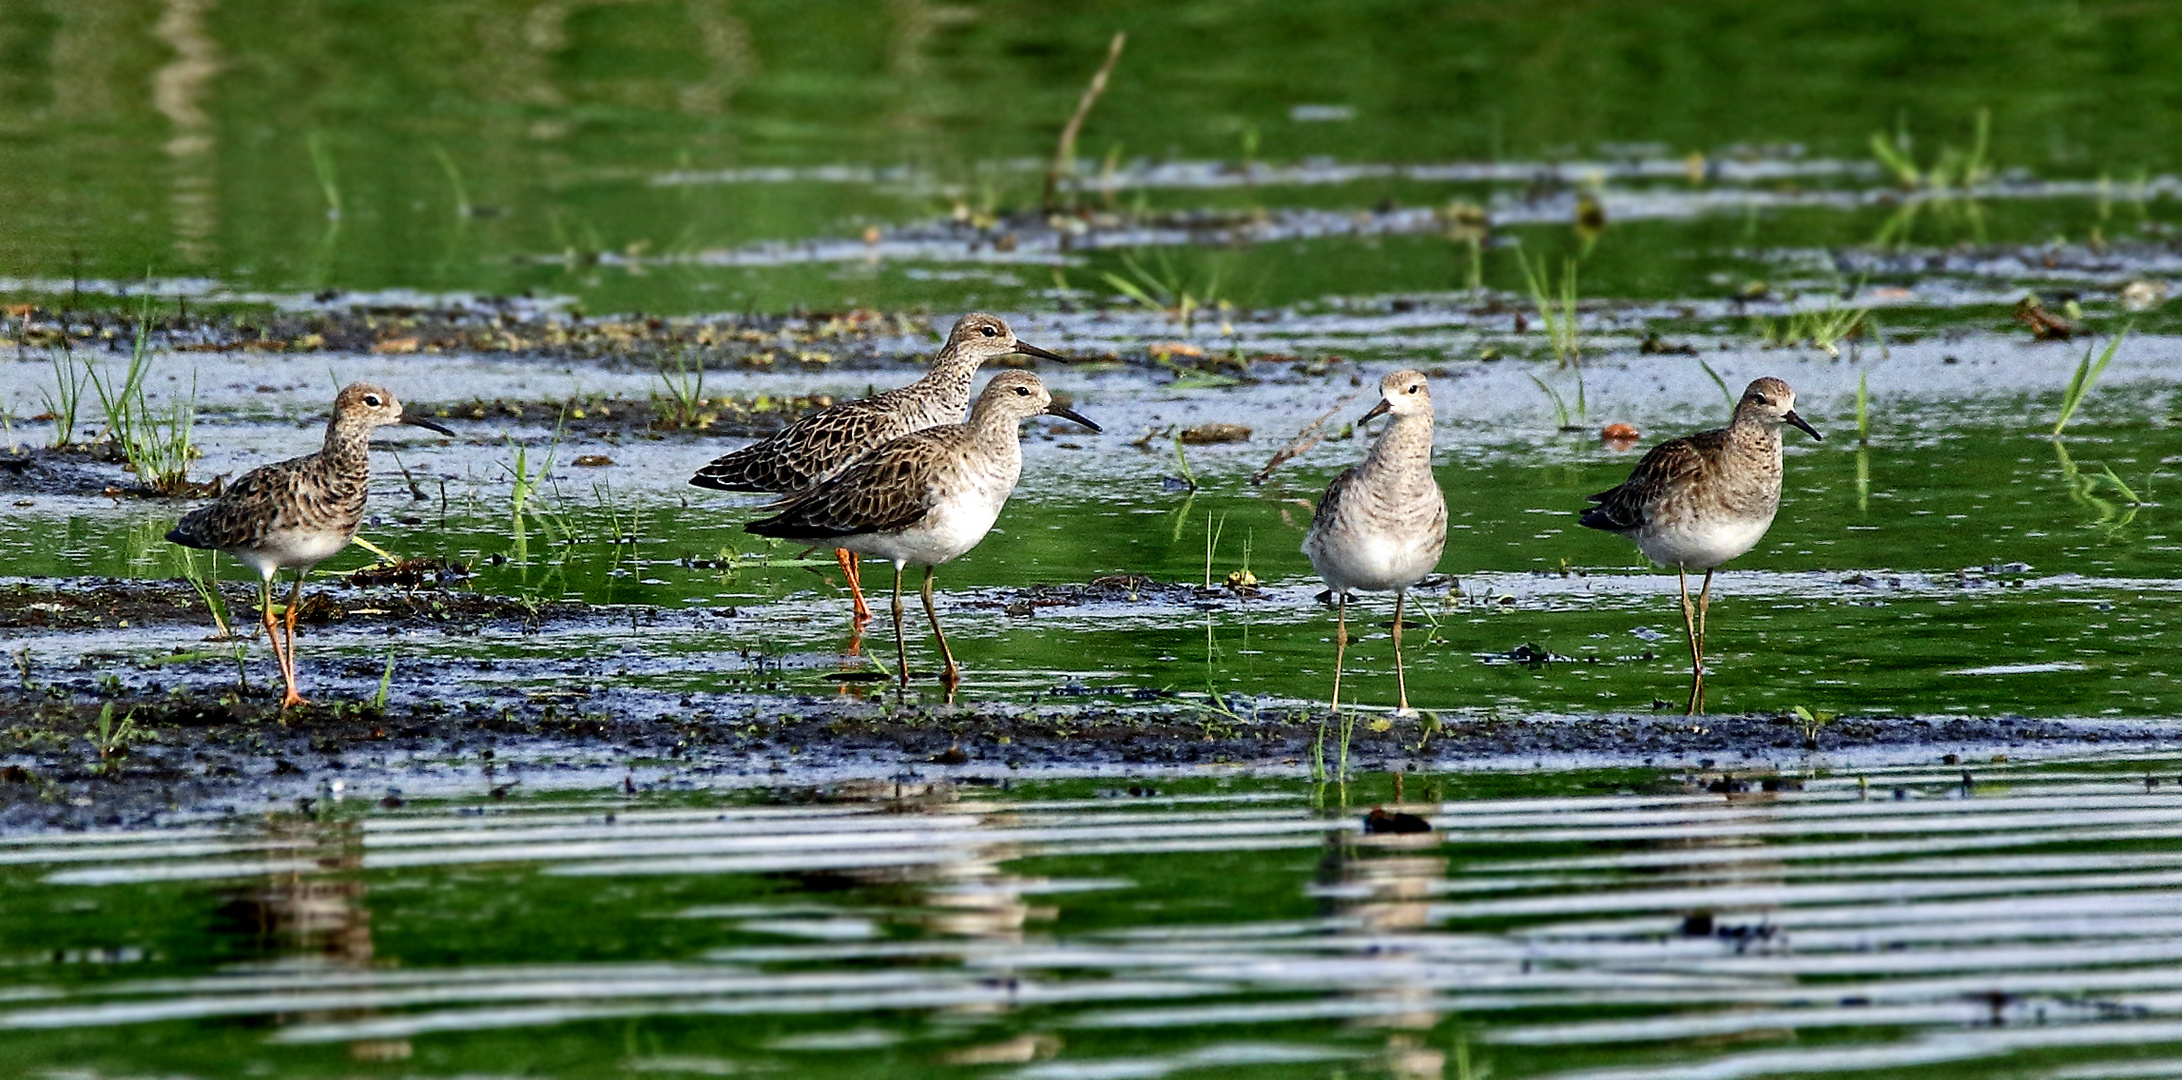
1401, 681
272, 629
295, 604
1340, 644
1689, 626
950, 675
854, 649
852, 571
901, 649
1704, 603
286, 652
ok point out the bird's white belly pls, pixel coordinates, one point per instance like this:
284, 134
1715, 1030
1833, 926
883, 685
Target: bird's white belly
292, 548
951, 528
1375, 563
1694, 546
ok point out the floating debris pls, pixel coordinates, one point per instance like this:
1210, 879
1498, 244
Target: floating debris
2044, 325
1215, 432
1397, 823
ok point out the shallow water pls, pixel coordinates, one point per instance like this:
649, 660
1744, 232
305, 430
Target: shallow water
1956, 562
1591, 924
662, 157
1314, 184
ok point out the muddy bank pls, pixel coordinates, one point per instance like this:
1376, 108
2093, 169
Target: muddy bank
70, 470
77, 758
410, 593
508, 325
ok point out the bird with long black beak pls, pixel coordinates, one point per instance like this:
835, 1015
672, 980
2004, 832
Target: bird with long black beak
926, 497
821, 444
1695, 502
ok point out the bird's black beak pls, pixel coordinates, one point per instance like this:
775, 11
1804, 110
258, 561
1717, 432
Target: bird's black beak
1063, 411
1791, 417
1376, 412
418, 421
1028, 349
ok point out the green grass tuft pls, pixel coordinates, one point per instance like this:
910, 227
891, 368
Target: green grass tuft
2086, 375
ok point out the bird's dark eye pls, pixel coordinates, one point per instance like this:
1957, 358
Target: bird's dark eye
988, 331
1023, 390
372, 400
1414, 389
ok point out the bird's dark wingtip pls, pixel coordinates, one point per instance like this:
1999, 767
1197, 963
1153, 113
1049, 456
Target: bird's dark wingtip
717, 482
1597, 518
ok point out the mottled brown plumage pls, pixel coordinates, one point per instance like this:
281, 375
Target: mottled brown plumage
274, 511
1674, 468
926, 497
880, 493
816, 447
294, 514
1695, 502
825, 442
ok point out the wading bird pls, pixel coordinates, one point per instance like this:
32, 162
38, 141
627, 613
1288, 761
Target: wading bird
1383, 522
1695, 502
819, 445
296, 513
926, 497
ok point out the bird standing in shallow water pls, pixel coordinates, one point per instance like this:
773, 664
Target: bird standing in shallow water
1695, 502
1382, 523
819, 445
297, 513
926, 497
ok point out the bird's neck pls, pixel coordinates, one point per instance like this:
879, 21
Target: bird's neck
1404, 447
1752, 435
990, 421
950, 377
995, 450
348, 447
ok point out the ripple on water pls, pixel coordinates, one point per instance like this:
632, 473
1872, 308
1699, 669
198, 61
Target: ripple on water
2038, 911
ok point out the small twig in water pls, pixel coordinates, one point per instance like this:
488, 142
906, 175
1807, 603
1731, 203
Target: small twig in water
386, 683
1310, 436
1182, 462
1863, 407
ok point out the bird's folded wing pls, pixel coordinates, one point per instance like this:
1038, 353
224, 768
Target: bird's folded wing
1667, 466
1329, 504
882, 492
803, 453
238, 518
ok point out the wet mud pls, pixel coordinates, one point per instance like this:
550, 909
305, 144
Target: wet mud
491, 325
71, 470
109, 740
405, 594
586, 704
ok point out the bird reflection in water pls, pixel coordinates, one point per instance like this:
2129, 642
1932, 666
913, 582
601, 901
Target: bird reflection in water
1379, 886
310, 918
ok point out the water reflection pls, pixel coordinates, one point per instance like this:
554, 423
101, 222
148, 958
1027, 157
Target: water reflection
312, 909
1714, 925
311, 914
1379, 888
179, 91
